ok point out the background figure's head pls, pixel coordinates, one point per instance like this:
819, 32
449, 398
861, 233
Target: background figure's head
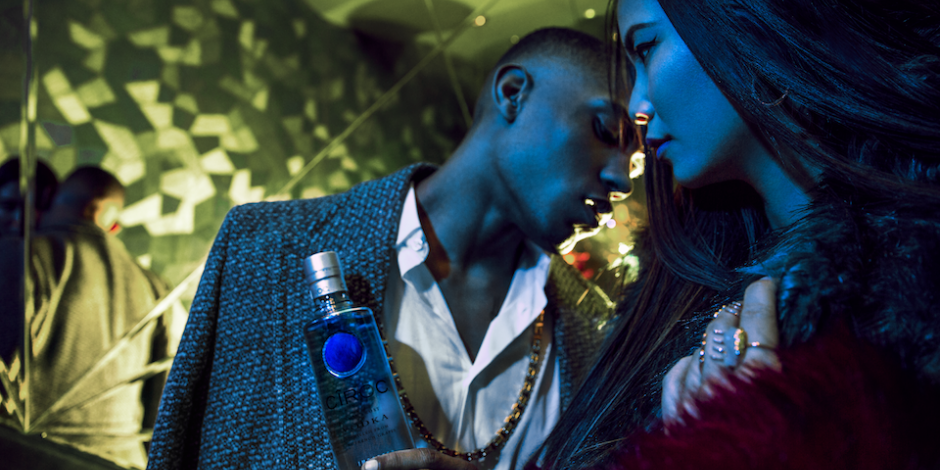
556, 134
91, 194
11, 201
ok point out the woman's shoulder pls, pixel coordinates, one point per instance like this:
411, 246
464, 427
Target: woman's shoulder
870, 264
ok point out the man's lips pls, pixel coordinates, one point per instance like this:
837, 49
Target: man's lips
601, 208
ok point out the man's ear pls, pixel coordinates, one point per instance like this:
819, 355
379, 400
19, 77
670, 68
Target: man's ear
511, 85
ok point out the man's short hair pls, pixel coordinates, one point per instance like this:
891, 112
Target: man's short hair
86, 184
579, 48
46, 181
567, 44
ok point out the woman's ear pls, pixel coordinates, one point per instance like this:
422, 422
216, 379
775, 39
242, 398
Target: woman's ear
511, 85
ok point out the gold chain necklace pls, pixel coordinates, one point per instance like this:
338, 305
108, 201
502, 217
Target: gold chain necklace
515, 413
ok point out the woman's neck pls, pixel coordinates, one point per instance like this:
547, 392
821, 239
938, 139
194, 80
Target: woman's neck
786, 192
783, 202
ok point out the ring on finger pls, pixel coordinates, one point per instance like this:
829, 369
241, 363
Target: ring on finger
733, 308
701, 350
757, 344
719, 338
740, 341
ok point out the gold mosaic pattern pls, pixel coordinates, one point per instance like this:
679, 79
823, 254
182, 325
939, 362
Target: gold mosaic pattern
200, 107
197, 108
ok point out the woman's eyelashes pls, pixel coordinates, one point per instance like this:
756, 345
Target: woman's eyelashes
642, 50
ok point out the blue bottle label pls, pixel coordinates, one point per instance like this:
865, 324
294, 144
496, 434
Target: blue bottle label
343, 354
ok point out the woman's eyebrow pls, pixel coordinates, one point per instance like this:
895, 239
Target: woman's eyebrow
628, 37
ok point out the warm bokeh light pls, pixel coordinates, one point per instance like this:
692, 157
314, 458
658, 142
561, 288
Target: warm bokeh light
637, 164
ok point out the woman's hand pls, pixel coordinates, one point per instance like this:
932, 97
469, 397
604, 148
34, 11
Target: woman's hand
740, 338
413, 459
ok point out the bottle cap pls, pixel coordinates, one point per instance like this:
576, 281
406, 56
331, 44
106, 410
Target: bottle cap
324, 274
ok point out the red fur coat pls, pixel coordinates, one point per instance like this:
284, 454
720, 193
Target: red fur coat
837, 404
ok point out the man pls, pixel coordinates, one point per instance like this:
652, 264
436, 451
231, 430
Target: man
452, 261
89, 195
90, 293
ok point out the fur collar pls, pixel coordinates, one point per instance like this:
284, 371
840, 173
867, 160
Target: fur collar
874, 266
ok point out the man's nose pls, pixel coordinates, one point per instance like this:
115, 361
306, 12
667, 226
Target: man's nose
616, 177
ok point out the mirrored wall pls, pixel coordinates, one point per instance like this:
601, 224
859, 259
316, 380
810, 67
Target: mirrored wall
195, 106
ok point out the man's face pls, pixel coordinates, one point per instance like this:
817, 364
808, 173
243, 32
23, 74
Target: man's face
11, 210
106, 211
564, 162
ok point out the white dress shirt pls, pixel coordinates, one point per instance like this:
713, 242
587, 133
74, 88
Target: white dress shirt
463, 402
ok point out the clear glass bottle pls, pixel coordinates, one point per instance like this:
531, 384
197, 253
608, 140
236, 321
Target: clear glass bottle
360, 403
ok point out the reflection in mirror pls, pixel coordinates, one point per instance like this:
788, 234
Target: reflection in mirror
193, 108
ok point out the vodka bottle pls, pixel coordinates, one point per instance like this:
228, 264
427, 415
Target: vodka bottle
357, 393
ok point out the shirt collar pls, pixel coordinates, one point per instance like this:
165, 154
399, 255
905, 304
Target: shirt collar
411, 244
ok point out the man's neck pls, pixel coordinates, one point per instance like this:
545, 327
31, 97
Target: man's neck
460, 207
473, 248
59, 216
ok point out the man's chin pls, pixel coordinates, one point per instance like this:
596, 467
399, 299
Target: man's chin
580, 233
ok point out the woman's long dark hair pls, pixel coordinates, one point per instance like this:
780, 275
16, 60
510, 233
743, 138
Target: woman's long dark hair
848, 89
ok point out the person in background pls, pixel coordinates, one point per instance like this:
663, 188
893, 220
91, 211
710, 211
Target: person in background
11, 246
89, 295
11, 200
805, 140
459, 263
88, 195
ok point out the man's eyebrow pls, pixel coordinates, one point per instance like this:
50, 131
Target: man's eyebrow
619, 109
628, 37
607, 104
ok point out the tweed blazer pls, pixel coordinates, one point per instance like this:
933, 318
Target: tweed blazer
241, 393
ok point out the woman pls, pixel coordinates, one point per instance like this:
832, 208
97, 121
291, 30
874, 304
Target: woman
805, 140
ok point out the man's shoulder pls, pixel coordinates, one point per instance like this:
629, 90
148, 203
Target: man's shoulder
582, 314
279, 214
365, 199
570, 291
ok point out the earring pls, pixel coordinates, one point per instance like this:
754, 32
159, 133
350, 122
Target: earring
773, 103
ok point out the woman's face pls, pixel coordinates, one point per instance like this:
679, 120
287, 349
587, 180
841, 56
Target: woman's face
692, 125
